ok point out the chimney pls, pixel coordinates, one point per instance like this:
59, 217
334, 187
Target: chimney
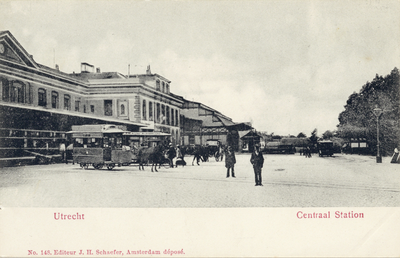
57, 67
87, 68
98, 70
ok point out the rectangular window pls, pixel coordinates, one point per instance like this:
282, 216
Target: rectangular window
168, 117
163, 114
17, 92
172, 117
144, 111
158, 113
92, 108
77, 104
5, 90
108, 107
150, 111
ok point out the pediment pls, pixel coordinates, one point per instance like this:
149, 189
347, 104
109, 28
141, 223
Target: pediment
11, 50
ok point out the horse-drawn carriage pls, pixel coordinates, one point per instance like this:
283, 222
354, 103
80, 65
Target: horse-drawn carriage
110, 145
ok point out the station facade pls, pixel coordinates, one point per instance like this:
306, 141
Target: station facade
39, 104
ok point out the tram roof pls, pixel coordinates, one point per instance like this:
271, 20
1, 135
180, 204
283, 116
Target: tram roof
148, 134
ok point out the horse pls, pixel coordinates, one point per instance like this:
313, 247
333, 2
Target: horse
154, 155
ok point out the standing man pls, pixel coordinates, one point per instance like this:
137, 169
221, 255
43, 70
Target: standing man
230, 161
257, 160
63, 153
171, 153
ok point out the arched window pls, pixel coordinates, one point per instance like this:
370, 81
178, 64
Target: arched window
42, 97
144, 111
54, 99
122, 109
67, 102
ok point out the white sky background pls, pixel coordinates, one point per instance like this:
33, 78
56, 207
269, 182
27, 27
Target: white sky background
286, 66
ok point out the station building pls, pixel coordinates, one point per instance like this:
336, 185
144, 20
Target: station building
201, 123
39, 104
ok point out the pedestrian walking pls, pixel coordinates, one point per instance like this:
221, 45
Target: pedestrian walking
257, 160
230, 161
197, 155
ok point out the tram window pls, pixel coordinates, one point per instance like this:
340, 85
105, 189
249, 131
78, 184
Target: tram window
78, 142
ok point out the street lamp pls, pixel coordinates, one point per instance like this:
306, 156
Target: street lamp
377, 112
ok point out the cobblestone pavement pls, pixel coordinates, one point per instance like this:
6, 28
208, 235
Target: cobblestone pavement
289, 181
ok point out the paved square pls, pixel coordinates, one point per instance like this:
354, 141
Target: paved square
289, 181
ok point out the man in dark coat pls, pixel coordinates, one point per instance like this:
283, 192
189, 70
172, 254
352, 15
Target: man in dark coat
171, 154
257, 160
230, 161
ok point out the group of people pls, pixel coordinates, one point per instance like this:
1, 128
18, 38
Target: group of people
257, 160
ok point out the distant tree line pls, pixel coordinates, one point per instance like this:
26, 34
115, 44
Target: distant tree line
359, 121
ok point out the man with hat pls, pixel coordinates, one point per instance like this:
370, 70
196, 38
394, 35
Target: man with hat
230, 161
257, 160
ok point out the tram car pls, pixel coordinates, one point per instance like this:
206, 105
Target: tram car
110, 145
325, 148
99, 146
279, 148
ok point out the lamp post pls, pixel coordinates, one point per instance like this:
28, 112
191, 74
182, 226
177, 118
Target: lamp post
377, 112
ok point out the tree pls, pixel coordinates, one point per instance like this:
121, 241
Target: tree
358, 120
301, 135
327, 135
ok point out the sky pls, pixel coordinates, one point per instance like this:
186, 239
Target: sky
286, 66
